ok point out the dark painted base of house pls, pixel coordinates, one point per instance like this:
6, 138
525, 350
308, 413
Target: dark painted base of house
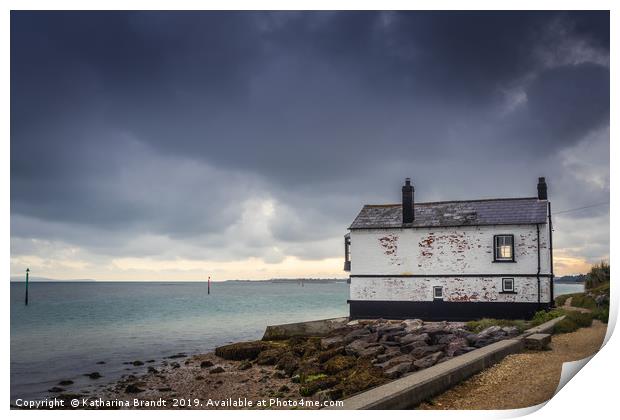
441, 310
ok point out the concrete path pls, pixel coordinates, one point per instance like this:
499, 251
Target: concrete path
521, 380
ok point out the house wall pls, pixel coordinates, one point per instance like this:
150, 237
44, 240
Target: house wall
461, 250
389, 265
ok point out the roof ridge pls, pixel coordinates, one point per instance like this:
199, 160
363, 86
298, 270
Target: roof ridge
455, 201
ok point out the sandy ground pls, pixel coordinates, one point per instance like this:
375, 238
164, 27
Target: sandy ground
508, 385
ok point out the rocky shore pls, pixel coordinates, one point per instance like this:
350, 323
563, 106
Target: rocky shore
350, 359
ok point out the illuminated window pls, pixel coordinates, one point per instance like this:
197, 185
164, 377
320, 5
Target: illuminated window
504, 248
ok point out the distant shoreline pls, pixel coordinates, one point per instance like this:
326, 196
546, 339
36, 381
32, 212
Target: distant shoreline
288, 281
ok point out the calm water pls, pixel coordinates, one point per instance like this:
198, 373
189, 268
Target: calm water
68, 327
567, 288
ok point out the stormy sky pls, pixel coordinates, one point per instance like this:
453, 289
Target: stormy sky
176, 145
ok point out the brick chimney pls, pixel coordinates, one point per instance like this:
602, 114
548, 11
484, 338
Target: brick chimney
408, 213
542, 188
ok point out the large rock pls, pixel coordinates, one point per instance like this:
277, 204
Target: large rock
372, 351
357, 346
434, 328
241, 351
412, 325
410, 338
398, 370
355, 334
403, 358
457, 347
390, 352
328, 354
330, 342
428, 361
288, 363
269, 356
421, 352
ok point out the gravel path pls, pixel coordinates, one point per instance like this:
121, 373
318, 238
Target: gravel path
521, 380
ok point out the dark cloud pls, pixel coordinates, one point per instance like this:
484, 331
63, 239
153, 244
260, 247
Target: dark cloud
176, 123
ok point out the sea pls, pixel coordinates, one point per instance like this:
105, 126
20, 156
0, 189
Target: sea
70, 329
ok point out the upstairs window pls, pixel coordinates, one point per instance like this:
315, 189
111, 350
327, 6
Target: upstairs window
504, 248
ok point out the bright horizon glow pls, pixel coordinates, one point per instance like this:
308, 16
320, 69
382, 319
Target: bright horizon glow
149, 269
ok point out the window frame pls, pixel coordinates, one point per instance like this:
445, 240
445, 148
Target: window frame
435, 288
498, 259
504, 289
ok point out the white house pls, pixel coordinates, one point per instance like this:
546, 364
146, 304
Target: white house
451, 260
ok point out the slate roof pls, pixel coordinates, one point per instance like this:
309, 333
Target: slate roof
502, 211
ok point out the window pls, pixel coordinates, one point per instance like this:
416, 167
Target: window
508, 285
504, 248
438, 292
347, 252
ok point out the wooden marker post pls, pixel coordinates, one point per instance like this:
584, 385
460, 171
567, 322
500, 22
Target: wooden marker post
27, 272
209, 286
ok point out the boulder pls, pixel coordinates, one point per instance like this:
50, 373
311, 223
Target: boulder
511, 331
410, 338
133, 389
390, 353
428, 361
357, 346
328, 354
241, 351
217, 369
330, 342
444, 338
288, 363
355, 334
371, 352
389, 328
65, 382
456, 347
93, 375
206, 364
434, 328
269, 357
423, 351
403, 358
412, 325
398, 370
56, 389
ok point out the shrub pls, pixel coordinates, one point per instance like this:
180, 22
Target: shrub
580, 300
602, 314
541, 317
581, 319
565, 326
